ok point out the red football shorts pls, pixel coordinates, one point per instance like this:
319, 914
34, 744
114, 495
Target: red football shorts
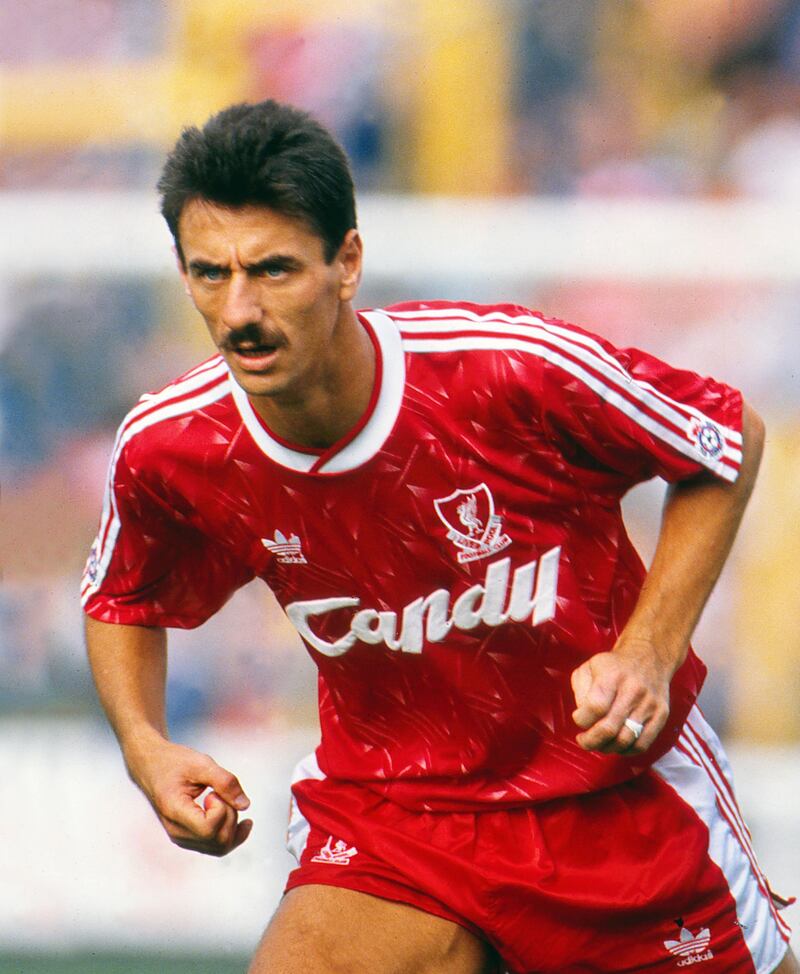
653, 875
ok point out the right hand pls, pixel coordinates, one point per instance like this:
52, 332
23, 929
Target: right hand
172, 777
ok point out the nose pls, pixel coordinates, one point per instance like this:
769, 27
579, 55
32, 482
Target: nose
241, 305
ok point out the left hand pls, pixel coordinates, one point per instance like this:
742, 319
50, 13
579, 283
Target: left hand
629, 682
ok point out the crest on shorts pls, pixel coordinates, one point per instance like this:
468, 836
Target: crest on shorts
335, 853
472, 524
691, 948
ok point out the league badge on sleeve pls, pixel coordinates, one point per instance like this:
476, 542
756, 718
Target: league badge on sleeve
707, 437
472, 524
92, 569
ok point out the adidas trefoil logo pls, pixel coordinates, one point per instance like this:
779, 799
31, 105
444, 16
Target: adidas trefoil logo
288, 551
692, 948
335, 854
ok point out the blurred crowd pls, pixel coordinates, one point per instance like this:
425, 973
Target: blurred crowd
620, 98
639, 97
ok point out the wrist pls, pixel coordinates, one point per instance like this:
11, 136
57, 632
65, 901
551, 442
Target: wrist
666, 652
138, 743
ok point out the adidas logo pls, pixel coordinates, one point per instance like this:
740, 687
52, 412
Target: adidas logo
691, 948
335, 854
288, 551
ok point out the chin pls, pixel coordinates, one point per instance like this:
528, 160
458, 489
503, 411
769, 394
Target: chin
257, 386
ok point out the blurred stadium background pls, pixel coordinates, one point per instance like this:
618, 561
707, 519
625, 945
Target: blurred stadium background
631, 165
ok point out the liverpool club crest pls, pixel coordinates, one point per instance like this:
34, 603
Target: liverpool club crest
472, 524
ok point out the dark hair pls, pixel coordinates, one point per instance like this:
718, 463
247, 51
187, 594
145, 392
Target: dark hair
266, 154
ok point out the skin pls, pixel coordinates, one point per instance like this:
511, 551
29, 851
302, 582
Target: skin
283, 319
129, 665
328, 930
261, 283
699, 523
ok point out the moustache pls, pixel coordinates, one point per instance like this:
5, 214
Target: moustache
252, 337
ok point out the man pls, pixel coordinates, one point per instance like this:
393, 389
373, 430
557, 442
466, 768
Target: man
512, 769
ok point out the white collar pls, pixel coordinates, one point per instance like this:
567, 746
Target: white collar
376, 430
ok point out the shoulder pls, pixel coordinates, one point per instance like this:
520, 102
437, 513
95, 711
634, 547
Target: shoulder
464, 318
530, 338
211, 370
408, 312
161, 416
490, 333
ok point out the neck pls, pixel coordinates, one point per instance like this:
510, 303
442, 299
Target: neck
328, 409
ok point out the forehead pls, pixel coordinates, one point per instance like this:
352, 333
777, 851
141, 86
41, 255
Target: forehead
213, 231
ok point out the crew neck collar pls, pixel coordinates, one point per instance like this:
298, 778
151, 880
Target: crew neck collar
368, 435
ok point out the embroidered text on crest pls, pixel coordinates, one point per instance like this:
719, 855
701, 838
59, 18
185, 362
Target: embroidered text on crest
481, 530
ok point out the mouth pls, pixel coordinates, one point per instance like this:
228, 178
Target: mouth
253, 357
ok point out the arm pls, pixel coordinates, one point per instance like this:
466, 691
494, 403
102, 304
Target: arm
129, 666
700, 521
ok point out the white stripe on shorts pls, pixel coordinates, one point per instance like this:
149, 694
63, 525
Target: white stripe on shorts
298, 829
688, 771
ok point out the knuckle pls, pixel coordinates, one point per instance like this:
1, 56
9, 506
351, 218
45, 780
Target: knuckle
206, 763
167, 808
660, 714
206, 830
203, 763
636, 689
596, 706
605, 684
606, 729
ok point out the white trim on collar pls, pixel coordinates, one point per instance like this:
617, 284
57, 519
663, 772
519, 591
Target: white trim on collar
390, 397
377, 428
276, 451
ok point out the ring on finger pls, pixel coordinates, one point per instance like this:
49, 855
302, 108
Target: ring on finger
634, 727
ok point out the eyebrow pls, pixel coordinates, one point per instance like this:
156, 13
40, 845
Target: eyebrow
279, 260
199, 265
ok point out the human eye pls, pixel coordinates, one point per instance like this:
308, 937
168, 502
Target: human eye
208, 273
274, 270
212, 274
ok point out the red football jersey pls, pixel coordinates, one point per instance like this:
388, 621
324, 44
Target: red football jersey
449, 563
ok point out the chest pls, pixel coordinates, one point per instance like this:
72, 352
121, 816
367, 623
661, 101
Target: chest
432, 504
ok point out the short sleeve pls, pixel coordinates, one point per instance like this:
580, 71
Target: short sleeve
634, 414
149, 565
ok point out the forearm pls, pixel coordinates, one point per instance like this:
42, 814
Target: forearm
700, 521
129, 666
628, 688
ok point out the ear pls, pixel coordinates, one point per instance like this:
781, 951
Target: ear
181, 270
349, 259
